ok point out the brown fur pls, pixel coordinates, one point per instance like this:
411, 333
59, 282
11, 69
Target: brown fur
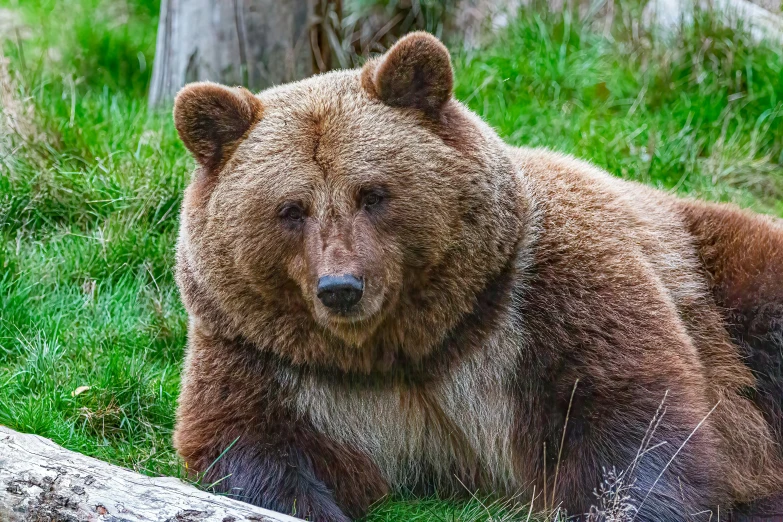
742, 254
212, 119
417, 60
494, 279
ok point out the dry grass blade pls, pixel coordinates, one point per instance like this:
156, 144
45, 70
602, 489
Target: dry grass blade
687, 439
562, 442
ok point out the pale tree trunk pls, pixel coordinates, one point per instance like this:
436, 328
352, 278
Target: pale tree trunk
42, 482
255, 43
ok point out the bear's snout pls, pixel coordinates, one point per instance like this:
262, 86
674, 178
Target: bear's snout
340, 292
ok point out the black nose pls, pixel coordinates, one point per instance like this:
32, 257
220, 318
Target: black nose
340, 292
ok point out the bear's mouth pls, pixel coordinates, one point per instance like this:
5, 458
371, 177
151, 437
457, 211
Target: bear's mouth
337, 317
355, 323
351, 316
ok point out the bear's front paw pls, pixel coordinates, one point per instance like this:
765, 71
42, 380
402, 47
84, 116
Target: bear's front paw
315, 508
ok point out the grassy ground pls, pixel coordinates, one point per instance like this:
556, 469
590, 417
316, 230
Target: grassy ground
90, 184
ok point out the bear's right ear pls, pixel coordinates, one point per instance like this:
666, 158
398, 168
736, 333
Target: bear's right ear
416, 72
211, 120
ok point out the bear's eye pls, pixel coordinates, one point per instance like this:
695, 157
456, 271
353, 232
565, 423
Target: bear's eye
292, 213
371, 199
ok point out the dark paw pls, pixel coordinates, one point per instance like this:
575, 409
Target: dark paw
316, 509
766, 510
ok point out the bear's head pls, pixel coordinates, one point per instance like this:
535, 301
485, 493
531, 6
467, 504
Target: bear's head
350, 220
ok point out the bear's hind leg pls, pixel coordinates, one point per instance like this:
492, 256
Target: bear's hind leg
742, 254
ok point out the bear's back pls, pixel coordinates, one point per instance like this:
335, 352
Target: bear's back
598, 230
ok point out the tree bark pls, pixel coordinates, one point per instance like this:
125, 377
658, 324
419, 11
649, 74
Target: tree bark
43, 482
255, 43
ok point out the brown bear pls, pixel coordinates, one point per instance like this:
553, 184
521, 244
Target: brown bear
384, 296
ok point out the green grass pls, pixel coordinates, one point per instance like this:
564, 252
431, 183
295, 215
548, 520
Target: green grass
89, 192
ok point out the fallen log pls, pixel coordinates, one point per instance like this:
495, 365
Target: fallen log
41, 481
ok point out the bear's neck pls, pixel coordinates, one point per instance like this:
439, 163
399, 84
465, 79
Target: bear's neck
406, 355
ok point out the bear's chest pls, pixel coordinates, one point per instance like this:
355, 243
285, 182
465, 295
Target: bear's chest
460, 429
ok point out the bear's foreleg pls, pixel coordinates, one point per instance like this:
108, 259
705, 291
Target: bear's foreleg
234, 429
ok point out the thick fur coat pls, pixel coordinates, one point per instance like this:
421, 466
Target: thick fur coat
527, 322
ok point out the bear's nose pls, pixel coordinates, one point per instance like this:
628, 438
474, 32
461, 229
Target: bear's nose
340, 292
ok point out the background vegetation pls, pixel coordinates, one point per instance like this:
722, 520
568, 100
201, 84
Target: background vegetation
91, 181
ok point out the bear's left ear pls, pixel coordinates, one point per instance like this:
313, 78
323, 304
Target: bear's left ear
416, 72
211, 120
